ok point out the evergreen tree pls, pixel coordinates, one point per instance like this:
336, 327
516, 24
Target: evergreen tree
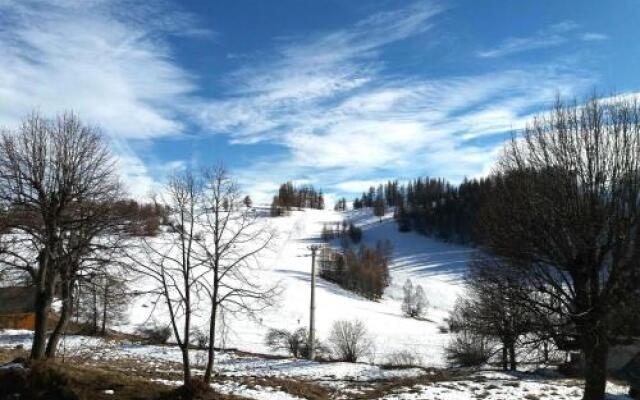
290, 196
247, 201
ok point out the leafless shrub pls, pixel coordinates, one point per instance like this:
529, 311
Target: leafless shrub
292, 342
403, 358
468, 350
296, 343
350, 340
155, 334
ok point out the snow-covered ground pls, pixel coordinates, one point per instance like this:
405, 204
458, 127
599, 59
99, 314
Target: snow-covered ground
342, 380
502, 386
232, 368
100, 350
437, 266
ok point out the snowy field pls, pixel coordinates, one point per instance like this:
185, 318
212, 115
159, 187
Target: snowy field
437, 266
234, 370
95, 349
248, 375
503, 386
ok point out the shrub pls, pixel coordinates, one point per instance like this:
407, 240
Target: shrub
200, 338
156, 334
295, 343
350, 340
468, 350
291, 342
403, 358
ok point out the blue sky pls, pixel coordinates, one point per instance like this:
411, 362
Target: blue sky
340, 94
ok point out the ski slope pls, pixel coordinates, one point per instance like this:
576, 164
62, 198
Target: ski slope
437, 266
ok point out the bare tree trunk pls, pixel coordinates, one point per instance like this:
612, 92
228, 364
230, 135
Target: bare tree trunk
42, 308
545, 351
186, 364
77, 306
505, 357
513, 364
105, 307
94, 306
61, 326
596, 351
212, 337
44, 297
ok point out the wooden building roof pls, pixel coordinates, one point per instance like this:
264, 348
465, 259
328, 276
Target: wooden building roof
17, 300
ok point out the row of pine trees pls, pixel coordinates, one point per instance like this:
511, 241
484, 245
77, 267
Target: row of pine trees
431, 206
290, 196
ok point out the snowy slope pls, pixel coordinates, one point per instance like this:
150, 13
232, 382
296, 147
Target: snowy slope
437, 266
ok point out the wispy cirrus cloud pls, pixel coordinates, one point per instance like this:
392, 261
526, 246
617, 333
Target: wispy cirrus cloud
331, 101
594, 37
551, 36
344, 119
105, 59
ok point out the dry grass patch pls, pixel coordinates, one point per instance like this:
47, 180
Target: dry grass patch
383, 388
51, 380
294, 387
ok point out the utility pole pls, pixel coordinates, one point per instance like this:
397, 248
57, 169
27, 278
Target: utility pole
312, 317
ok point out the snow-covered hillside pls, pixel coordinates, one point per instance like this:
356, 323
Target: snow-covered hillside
437, 266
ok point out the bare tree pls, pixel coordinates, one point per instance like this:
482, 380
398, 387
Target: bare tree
101, 300
494, 307
172, 260
208, 263
233, 236
57, 183
566, 211
414, 301
350, 340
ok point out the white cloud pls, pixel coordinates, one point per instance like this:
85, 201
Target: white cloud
594, 37
327, 101
327, 98
359, 185
551, 36
102, 58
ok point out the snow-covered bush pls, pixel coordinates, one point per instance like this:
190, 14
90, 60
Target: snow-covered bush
350, 340
414, 302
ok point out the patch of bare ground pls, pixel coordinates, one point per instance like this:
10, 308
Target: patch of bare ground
382, 388
65, 381
164, 370
295, 387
